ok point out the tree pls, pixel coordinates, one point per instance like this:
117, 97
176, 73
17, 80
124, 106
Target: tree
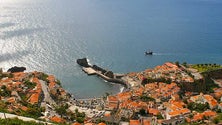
184, 64
80, 119
142, 112
159, 116
216, 120
61, 110
177, 63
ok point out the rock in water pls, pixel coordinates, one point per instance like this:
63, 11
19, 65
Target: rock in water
83, 62
16, 69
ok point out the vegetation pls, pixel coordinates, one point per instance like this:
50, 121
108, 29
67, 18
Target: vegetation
145, 98
151, 80
80, 117
4, 91
206, 67
143, 112
198, 106
177, 63
33, 111
61, 110
217, 119
44, 77
159, 116
16, 121
210, 84
58, 82
2, 107
185, 64
29, 84
9, 75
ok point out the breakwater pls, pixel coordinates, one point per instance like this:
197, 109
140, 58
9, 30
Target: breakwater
102, 73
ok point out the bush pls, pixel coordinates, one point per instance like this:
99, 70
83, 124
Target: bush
29, 84
198, 106
145, 98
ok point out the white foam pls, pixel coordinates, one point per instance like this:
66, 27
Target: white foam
89, 62
121, 89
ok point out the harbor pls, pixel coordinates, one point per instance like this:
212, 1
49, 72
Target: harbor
106, 75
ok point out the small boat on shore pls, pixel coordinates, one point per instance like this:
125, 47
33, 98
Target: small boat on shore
149, 53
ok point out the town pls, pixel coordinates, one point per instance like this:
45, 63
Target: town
170, 94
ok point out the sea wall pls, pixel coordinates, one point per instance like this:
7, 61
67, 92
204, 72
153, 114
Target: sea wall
102, 73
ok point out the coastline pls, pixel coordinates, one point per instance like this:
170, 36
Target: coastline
106, 75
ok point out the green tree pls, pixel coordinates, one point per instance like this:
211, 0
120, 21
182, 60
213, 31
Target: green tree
177, 63
61, 110
184, 64
159, 116
216, 120
142, 112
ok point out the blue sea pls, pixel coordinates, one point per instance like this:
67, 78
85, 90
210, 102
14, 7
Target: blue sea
49, 35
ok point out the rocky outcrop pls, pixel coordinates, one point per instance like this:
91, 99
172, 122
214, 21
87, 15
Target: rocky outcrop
83, 62
16, 69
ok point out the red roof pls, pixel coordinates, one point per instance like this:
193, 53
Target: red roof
134, 122
57, 119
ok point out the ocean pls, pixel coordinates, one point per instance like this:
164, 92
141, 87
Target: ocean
49, 35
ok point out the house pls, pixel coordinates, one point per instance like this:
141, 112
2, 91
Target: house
37, 93
135, 122
200, 116
175, 109
205, 99
111, 103
57, 119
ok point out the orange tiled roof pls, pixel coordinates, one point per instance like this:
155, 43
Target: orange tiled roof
11, 100
101, 123
153, 111
107, 114
209, 113
51, 78
18, 76
112, 99
34, 98
124, 96
76, 123
198, 117
57, 119
89, 124
146, 122
24, 108
134, 122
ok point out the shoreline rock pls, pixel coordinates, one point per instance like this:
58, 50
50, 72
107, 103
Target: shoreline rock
83, 62
16, 69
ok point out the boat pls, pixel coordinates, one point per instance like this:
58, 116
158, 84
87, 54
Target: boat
149, 53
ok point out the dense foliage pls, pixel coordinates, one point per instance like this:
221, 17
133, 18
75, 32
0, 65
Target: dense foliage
29, 84
145, 98
206, 67
198, 106
16, 121
152, 80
